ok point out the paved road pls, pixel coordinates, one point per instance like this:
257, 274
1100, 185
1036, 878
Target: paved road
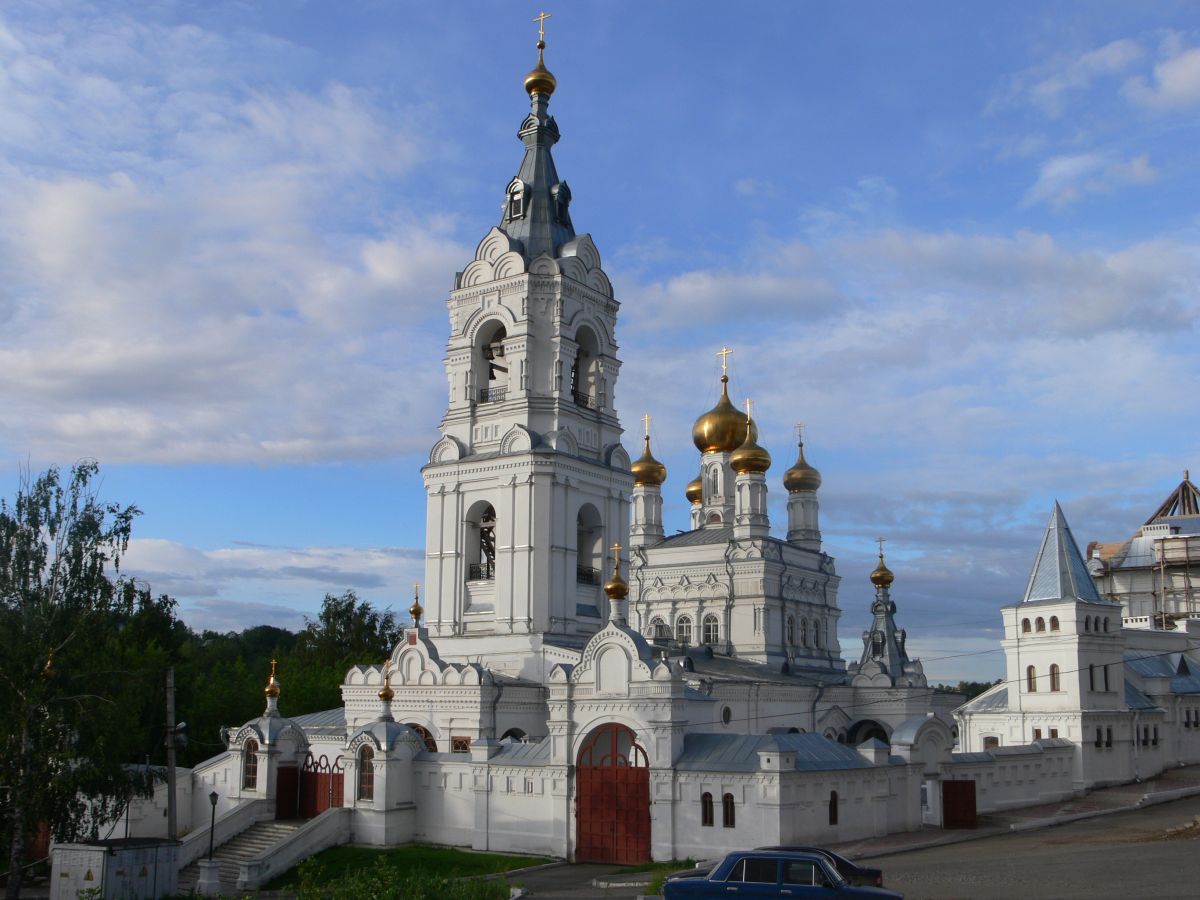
1126, 855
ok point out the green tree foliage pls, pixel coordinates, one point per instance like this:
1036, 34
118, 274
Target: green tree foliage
82, 653
971, 688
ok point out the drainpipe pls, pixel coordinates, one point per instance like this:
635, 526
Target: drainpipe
816, 700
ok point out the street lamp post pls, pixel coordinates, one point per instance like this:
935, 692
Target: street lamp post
212, 798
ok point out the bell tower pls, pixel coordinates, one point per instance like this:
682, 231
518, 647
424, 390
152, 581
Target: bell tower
529, 482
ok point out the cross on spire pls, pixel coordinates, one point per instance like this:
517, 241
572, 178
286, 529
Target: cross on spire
800, 432
541, 18
724, 354
749, 407
646, 423
880, 541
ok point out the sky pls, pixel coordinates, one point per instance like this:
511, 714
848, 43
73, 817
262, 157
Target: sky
959, 241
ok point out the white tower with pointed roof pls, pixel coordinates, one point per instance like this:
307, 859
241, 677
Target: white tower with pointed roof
529, 482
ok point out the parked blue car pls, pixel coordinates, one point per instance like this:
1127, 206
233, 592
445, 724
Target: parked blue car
769, 873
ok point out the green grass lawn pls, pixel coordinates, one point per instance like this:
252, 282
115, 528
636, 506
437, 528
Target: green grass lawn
338, 864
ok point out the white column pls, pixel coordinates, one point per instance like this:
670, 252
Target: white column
750, 506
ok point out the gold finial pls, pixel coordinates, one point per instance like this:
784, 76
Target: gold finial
541, 18
749, 407
724, 354
799, 426
615, 587
386, 693
646, 424
272, 688
416, 610
882, 576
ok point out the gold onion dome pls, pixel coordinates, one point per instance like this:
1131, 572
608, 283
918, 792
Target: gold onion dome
646, 469
540, 80
615, 587
386, 693
750, 458
882, 576
695, 490
272, 688
801, 476
416, 610
723, 428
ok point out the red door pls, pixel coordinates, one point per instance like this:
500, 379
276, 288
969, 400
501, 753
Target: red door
320, 785
287, 786
958, 804
612, 808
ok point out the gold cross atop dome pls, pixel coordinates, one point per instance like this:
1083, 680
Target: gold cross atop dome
749, 407
724, 354
880, 541
646, 423
800, 432
541, 18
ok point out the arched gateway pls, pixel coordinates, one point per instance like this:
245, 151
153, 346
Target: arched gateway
612, 809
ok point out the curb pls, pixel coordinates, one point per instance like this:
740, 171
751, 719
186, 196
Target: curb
1035, 824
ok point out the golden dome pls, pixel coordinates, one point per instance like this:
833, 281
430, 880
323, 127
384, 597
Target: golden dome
801, 476
272, 688
615, 587
646, 469
386, 693
722, 429
750, 457
695, 490
882, 576
540, 80
416, 610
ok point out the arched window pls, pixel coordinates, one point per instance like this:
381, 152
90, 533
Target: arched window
1041, 624
706, 809
585, 373
789, 631
1106, 623
833, 808
481, 543
683, 629
1087, 624
804, 632
1031, 680
1025, 626
714, 481
589, 539
1054, 623
490, 366
727, 815
658, 629
816, 633
366, 773
1054, 681
711, 630
250, 765
426, 737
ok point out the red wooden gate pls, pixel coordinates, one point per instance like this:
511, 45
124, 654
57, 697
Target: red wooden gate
320, 785
958, 804
612, 801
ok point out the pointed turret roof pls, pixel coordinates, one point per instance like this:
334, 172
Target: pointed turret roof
1183, 501
1059, 572
536, 203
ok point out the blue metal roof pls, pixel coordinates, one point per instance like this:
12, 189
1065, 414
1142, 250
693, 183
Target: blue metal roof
739, 752
1135, 699
994, 700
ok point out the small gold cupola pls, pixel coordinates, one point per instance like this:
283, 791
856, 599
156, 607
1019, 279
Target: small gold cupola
386, 693
272, 688
722, 429
615, 587
646, 469
416, 610
540, 80
882, 577
695, 489
801, 476
750, 457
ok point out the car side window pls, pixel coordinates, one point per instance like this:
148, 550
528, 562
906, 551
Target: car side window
799, 873
761, 871
739, 871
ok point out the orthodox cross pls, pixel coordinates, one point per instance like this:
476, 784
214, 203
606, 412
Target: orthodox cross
541, 18
724, 354
800, 432
880, 541
646, 422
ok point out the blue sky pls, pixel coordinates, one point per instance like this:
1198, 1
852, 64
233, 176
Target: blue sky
959, 241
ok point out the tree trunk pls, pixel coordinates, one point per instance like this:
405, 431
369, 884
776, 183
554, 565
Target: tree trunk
16, 851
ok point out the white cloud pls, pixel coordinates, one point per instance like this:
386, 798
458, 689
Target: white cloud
1063, 180
1174, 83
1050, 86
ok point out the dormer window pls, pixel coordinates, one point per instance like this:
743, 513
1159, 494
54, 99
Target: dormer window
518, 199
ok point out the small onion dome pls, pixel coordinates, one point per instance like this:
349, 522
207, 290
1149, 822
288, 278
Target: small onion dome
386, 693
723, 428
750, 457
882, 576
272, 688
540, 80
615, 587
648, 470
801, 476
416, 611
695, 490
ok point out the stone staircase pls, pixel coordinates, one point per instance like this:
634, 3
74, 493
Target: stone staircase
250, 843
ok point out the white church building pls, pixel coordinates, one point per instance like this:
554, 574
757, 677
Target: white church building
579, 684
